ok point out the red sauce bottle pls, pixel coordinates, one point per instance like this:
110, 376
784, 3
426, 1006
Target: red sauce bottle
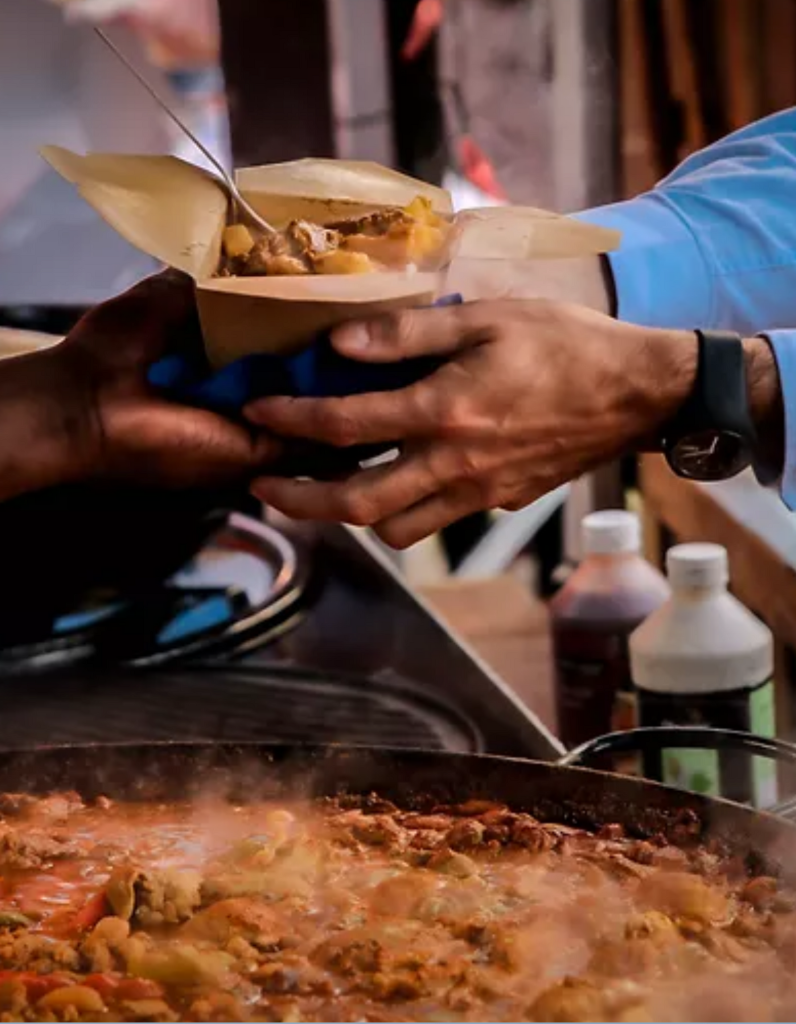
610, 594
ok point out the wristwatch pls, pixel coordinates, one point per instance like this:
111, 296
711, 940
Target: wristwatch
713, 436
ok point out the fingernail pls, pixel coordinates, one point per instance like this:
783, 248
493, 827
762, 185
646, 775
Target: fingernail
354, 337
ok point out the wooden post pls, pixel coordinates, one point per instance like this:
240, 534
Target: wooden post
276, 60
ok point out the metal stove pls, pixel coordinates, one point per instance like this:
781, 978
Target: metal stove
268, 632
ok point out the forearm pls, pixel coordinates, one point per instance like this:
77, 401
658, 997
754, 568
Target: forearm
766, 402
38, 443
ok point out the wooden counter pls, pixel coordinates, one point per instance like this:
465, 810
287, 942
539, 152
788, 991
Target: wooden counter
759, 534
509, 628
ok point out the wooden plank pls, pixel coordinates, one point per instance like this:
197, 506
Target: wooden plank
779, 47
759, 576
683, 74
738, 36
640, 170
509, 628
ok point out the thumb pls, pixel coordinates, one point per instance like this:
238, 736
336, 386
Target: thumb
412, 333
155, 316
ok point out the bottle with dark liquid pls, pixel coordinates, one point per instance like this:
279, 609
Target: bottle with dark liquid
610, 594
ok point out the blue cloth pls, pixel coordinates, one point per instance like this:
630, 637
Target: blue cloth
714, 246
318, 371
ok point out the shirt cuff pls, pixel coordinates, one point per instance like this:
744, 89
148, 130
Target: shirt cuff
783, 345
660, 274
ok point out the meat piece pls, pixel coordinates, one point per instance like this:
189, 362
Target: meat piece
308, 241
528, 833
155, 897
760, 892
652, 925
255, 921
372, 224
688, 827
426, 822
426, 840
349, 954
292, 975
27, 951
465, 835
580, 999
378, 830
54, 808
612, 832
102, 949
375, 804
270, 257
451, 863
399, 896
397, 986
183, 965
27, 849
570, 1000
682, 895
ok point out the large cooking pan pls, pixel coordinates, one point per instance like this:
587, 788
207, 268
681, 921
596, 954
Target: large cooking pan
552, 792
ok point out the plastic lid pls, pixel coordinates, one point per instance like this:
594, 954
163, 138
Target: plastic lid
611, 533
697, 566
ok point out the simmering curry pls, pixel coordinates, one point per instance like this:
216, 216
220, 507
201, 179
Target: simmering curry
356, 910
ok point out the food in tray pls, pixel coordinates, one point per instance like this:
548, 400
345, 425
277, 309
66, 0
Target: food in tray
356, 910
386, 240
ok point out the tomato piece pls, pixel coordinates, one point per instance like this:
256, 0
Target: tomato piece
92, 911
39, 985
107, 985
139, 988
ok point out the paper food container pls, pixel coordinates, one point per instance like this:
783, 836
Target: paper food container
176, 213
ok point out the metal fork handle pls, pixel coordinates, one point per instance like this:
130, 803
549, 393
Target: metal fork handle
226, 177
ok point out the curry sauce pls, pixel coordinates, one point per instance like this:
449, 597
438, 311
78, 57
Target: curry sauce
357, 910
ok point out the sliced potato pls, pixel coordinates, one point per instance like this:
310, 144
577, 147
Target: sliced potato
392, 252
340, 261
237, 241
78, 997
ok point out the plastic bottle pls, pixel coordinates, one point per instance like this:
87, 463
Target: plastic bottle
704, 659
612, 591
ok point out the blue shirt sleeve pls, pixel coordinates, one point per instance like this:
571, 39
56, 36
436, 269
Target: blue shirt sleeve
714, 246
783, 344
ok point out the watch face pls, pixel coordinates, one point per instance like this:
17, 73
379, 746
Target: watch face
710, 455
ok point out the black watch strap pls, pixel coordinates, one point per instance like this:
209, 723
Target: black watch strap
719, 398
718, 405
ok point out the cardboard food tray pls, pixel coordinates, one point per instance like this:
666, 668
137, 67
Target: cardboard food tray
176, 213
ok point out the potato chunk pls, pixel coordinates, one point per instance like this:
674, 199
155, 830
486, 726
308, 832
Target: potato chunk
237, 241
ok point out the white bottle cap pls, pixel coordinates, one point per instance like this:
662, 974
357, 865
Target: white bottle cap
694, 566
611, 533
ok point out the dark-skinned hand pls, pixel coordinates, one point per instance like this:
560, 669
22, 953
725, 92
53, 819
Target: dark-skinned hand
84, 409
